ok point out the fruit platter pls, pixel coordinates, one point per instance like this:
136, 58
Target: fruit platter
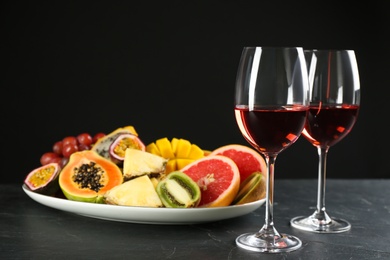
117, 177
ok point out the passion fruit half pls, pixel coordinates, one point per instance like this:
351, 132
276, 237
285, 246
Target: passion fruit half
102, 145
121, 143
44, 179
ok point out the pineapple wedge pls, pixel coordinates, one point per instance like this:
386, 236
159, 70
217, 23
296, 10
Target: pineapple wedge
137, 163
136, 192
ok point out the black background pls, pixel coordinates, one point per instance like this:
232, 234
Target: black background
168, 68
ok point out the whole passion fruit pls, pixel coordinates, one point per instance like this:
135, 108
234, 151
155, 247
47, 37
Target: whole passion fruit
44, 179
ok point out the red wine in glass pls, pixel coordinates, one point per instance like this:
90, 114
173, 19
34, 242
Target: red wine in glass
327, 125
334, 105
271, 130
271, 104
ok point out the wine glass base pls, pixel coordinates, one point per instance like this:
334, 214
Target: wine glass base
276, 244
312, 224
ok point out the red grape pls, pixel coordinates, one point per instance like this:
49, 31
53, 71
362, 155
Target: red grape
57, 160
69, 140
82, 147
64, 161
68, 149
97, 137
48, 157
57, 147
62, 150
85, 139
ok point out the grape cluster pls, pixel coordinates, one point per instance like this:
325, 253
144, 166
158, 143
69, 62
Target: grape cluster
62, 149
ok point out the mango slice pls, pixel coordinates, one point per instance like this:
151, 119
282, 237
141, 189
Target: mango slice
165, 148
183, 148
196, 152
179, 152
152, 148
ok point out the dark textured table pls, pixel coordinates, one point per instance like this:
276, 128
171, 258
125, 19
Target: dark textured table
29, 230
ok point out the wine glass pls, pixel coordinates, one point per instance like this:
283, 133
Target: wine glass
271, 104
334, 104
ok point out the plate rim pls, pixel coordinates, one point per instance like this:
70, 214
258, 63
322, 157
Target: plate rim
142, 215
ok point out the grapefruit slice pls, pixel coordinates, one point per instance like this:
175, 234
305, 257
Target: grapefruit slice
247, 159
218, 178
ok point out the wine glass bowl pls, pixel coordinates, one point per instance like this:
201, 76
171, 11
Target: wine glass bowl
271, 103
334, 105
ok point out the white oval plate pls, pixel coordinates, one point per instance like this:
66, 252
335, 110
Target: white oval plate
145, 215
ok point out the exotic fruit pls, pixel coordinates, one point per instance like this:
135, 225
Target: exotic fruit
247, 159
44, 179
218, 179
121, 143
251, 189
179, 151
136, 192
102, 146
87, 176
178, 190
138, 163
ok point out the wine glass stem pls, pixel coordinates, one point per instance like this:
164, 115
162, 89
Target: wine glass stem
320, 213
268, 227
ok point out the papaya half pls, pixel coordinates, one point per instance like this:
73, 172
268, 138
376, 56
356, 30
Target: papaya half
88, 176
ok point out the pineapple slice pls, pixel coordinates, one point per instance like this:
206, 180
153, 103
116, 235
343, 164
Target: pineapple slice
138, 163
136, 192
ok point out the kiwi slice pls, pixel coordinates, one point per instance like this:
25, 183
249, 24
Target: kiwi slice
178, 190
251, 189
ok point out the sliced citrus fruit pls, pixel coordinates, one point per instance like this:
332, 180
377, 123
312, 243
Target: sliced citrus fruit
247, 159
218, 178
179, 151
